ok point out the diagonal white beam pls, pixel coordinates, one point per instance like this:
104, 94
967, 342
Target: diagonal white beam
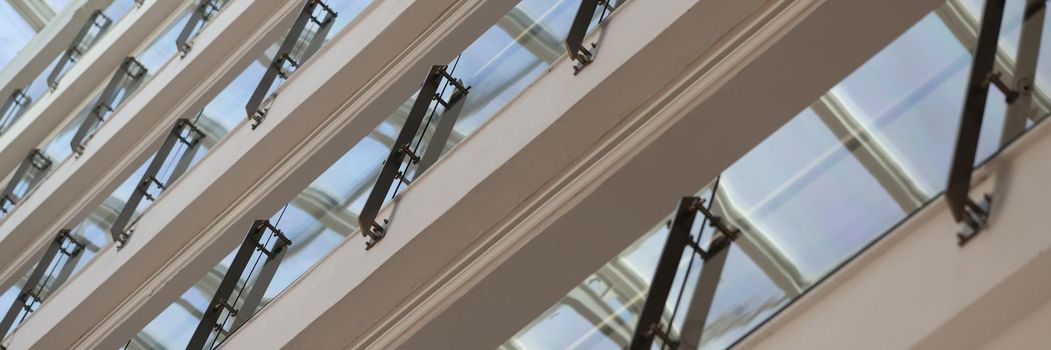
49, 43
330, 104
598, 161
91, 71
35, 12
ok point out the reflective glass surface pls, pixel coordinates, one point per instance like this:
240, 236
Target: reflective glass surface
15, 35
838, 176
57, 4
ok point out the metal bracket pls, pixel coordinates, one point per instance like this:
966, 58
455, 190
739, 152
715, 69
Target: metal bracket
579, 29
292, 53
125, 79
183, 132
13, 108
201, 14
403, 146
96, 25
32, 290
975, 218
36, 161
714, 256
996, 79
224, 298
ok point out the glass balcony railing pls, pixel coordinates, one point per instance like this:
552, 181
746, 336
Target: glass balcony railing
498, 66
840, 175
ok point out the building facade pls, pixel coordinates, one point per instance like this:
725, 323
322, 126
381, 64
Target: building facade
534, 174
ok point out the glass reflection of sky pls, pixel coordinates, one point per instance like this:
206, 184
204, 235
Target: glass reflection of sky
810, 163
805, 193
15, 35
57, 5
118, 9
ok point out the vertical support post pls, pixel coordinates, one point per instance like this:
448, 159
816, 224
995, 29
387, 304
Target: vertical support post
702, 299
266, 275
1028, 54
224, 298
96, 25
286, 53
664, 277
13, 108
714, 257
324, 25
193, 144
402, 148
35, 160
126, 78
221, 299
120, 231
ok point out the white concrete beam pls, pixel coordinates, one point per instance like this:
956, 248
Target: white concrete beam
49, 43
917, 289
598, 161
90, 72
347, 89
132, 133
